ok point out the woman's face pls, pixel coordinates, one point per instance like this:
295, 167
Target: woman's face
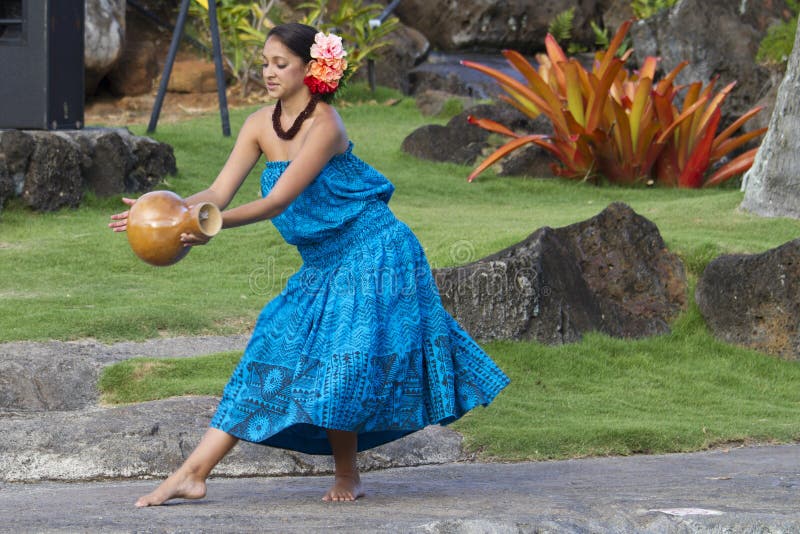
283, 70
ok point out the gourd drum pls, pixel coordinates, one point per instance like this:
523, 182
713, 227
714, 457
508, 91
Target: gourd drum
157, 220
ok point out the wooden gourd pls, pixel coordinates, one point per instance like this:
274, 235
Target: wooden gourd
157, 220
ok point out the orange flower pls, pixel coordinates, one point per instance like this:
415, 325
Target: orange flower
328, 71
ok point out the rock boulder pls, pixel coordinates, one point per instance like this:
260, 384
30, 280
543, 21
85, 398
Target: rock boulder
717, 37
53, 176
754, 300
611, 273
407, 48
440, 143
469, 24
51, 170
464, 143
31, 383
6, 183
192, 76
104, 35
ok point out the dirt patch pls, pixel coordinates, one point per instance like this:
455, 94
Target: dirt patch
145, 369
107, 110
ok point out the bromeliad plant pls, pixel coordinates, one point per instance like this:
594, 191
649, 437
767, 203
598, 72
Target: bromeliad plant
617, 124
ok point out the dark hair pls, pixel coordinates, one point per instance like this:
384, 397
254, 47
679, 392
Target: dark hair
297, 37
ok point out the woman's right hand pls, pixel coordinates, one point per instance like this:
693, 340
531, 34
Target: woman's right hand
119, 221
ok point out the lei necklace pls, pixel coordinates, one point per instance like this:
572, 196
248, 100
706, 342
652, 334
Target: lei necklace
291, 132
325, 70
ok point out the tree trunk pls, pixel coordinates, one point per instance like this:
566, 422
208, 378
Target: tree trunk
772, 185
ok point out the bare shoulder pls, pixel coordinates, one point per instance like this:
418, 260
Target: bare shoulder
329, 124
257, 118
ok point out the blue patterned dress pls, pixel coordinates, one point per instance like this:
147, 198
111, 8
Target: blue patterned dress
358, 339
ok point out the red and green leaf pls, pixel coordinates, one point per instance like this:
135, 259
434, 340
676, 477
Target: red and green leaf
622, 125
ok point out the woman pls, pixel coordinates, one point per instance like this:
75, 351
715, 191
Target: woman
357, 350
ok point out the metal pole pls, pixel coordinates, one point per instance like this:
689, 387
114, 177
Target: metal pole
150, 15
371, 74
223, 100
173, 50
388, 10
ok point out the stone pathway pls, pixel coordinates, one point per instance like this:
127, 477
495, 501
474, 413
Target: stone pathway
743, 490
753, 489
53, 428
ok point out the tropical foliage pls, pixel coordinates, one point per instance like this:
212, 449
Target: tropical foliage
352, 21
243, 29
621, 125
647, 8
561, 28
776, 46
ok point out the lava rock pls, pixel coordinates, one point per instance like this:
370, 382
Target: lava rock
6, 183
611, 273
152, 162
753, 300
104, 35
406, 48
518, 24
530, 160
51, 170
717, 37
53, 178
462, 142
111, 161
440, 143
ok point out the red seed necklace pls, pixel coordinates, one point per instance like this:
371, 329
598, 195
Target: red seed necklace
298, 122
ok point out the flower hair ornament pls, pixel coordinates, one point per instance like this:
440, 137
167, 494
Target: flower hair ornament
328, 64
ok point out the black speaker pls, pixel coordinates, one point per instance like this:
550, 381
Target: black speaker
41, 64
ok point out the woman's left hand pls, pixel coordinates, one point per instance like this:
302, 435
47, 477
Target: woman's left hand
191, 240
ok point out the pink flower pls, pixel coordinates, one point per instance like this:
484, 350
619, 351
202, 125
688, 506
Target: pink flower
327, 47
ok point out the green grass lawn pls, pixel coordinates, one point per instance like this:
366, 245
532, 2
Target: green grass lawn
68, 277
679, 392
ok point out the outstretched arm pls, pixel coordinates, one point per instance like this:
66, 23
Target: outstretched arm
241, 160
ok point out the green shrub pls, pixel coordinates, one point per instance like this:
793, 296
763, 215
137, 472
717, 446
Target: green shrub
647, 8
776, 46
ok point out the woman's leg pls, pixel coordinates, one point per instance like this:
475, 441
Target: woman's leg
189, 481
347, 482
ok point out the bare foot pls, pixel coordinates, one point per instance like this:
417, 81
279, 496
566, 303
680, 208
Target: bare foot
345, 488
178, 485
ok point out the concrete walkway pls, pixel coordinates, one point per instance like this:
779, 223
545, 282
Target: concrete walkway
742, 490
